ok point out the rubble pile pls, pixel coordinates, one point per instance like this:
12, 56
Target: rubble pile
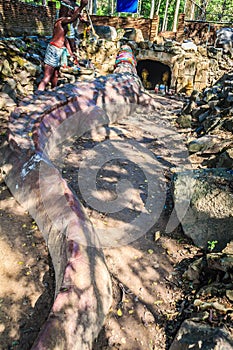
207, 121
209, 115
20, 65
21, 69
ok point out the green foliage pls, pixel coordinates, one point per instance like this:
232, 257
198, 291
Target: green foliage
145, 8
212, 245
219, 10
40, 2
214, 10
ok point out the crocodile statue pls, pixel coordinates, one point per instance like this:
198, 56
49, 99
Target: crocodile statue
83, 286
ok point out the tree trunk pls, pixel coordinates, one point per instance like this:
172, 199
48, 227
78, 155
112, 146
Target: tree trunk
158, 7
176, 15
112, 8
152, 9
185, 7
202, 10
165, 17
192, 12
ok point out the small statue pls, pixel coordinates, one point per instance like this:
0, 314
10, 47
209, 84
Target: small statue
189, 88
147, 84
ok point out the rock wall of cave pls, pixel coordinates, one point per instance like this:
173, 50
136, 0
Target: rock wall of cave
189, 66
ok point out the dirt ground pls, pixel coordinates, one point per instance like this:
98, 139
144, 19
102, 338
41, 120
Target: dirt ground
150, 300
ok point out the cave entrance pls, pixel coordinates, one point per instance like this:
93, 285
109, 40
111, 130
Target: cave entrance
154, 74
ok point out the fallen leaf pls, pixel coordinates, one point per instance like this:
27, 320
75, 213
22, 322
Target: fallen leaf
157, 235
119, 312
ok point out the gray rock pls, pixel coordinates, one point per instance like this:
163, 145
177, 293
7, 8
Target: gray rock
225, 40
196, 112
225, 160
228, 124
145, 45
229, 248
189, 107
198, 336
212, 122
32, 69
202, 50
158, 48
189, 46
169, 43
213, 103
11, 83
132, 44
139, 36
6, 101
106, 32
230, 97
20, 89
9, 88
20, 44
130, 34
214, 52
6, 69
176, 50
210, 214
185, 121
203, 116
23, 77
203, 143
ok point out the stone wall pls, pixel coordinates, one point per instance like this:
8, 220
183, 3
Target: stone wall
191, 67
199, 32
18, 18
195, 67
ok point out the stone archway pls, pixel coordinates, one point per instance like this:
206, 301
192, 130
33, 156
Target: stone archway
158, 73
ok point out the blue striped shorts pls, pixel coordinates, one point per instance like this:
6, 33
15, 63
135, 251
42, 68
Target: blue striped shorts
53, 56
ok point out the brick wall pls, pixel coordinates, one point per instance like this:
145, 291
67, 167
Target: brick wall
180, 27
145, 24
202, 32
18, 18
154, 28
